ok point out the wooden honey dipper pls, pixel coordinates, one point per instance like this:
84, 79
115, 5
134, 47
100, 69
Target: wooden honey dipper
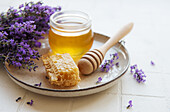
92, 59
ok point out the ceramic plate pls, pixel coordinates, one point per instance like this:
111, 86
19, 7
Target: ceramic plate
87, 85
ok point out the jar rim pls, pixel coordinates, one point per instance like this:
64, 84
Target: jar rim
86, 24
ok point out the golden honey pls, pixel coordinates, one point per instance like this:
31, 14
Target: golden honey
70, 34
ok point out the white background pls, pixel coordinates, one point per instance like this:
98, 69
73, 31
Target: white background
149, 40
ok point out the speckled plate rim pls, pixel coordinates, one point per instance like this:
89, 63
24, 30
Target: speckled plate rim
75, 90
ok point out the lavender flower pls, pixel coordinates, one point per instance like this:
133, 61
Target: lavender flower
130, 104
20, 32
138, 74
99, 80
19, 98
20, 6
108, 64
152, 63
117, 64
30, 103
38, 84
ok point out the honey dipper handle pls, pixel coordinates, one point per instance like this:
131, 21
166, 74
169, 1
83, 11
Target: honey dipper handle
112, 41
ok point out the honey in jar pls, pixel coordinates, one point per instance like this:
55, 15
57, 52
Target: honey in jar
71, 33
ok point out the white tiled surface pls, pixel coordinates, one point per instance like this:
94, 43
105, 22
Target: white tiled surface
154, 85
148, 41
144, 104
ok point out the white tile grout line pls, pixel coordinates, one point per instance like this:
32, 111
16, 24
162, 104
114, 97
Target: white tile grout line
145, 95
22, 101
166, 73
120, 95
70, 105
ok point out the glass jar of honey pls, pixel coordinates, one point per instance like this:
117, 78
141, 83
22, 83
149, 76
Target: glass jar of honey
71, 33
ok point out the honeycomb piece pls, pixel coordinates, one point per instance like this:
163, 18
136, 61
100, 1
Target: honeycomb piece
61, 70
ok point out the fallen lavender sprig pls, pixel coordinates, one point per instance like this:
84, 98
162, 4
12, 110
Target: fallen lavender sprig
30, 103
138, 74
108, 64
130, 104
20, 32
99, 80
19, 98
38, 84
152, 63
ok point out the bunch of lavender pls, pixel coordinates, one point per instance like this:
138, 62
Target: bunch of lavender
20, 30
138, 74
108, 64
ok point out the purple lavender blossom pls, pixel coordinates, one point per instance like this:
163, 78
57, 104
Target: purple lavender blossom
38, 44
108, 64
30, 103
38, 84
117, 64
138, 74
130, 104
152, 63
20, 6
99, 80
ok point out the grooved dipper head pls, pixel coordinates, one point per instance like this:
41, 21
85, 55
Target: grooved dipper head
90, 62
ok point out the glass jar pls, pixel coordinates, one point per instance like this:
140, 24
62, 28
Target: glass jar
71, 33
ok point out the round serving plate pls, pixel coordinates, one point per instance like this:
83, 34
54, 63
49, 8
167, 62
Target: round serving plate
87, 85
